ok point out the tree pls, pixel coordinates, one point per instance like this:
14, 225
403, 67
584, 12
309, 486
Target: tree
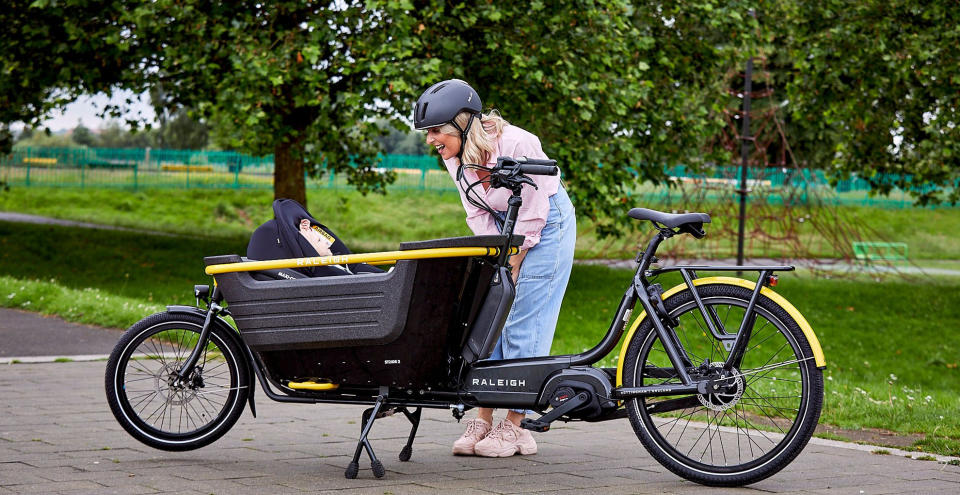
183, 132
401, 141
872, 90
178, 129
296, 79
6, 138
25, 133
114, 135
615, 89
52, 52
82, 136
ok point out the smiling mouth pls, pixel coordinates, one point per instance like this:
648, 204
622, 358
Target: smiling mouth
440, 148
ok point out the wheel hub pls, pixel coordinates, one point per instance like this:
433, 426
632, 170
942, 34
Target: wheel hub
730, 390
174, 390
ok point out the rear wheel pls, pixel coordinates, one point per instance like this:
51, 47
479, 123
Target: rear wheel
157, 408
754, 426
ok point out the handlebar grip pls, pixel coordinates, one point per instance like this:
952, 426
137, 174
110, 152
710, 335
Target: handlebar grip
539, 169
537, 166
535, 161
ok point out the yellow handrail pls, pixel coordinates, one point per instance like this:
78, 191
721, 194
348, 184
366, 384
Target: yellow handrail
371, 258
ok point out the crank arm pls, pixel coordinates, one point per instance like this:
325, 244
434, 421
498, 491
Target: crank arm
542, 423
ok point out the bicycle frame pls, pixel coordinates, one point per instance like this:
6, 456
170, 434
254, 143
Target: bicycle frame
481, 383
650, 297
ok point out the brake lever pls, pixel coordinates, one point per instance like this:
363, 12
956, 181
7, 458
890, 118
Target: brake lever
523, 179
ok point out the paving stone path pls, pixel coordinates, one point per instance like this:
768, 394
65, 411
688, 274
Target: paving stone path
57, 435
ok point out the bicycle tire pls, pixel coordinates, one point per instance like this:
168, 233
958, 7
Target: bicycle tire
151, 407
692, 435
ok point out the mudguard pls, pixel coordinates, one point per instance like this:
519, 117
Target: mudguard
232, 334
747, 284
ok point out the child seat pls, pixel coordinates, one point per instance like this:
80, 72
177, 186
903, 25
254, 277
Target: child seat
280, 238
402, 328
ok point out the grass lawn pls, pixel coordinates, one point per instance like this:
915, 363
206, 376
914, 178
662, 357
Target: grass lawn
378, 223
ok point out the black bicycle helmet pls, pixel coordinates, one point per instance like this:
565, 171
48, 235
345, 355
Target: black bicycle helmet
442, 102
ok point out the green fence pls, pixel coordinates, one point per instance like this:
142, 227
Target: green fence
776, 185
150, 168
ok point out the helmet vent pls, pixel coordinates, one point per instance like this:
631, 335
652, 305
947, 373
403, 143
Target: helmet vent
438, 88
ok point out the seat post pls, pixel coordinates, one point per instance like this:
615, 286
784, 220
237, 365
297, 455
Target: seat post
648, 255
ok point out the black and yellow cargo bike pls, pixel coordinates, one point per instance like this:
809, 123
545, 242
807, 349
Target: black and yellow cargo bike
720, 377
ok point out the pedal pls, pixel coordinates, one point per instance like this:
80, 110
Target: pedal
534, 425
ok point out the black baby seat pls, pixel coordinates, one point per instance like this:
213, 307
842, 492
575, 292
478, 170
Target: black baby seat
280, 238
401, 328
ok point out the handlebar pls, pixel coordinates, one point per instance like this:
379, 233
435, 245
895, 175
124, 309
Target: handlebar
512, 172
533, 166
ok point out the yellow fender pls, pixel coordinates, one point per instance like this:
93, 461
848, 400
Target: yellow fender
747, 284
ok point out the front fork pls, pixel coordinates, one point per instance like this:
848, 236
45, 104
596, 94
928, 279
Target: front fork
213, 299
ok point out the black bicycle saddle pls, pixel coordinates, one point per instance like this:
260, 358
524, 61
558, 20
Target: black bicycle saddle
691, 223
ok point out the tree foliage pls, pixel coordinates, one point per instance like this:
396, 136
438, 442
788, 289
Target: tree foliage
82, 136
615, 89
296, 79
51, 52
402, 140
873, 89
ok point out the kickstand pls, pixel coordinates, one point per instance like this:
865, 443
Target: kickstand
414, 418
369, 416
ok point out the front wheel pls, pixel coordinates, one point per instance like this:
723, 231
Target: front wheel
157, 408
753, 427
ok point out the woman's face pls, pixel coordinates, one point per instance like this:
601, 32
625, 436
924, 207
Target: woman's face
448, 146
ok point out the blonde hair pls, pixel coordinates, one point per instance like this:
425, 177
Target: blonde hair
482, 137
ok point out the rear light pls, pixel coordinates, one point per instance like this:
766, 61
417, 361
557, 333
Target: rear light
772, 280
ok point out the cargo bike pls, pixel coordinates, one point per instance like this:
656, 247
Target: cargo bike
721, 377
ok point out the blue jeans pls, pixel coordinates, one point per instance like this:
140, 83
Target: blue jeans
540, 287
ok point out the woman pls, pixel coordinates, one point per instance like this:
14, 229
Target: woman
450, 112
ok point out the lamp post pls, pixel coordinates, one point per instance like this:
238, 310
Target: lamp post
745, 140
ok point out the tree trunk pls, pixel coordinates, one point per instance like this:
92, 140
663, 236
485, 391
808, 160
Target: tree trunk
288, 181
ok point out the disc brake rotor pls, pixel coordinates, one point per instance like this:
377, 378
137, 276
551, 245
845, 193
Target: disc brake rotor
173, 393
724, 401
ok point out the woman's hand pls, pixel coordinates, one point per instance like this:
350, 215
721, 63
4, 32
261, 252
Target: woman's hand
515, 262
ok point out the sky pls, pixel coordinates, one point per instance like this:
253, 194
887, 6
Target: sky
85, 110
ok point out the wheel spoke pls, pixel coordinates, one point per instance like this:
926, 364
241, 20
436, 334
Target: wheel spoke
156, 407
744, 428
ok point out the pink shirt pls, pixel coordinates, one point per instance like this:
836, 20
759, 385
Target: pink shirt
514, 142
